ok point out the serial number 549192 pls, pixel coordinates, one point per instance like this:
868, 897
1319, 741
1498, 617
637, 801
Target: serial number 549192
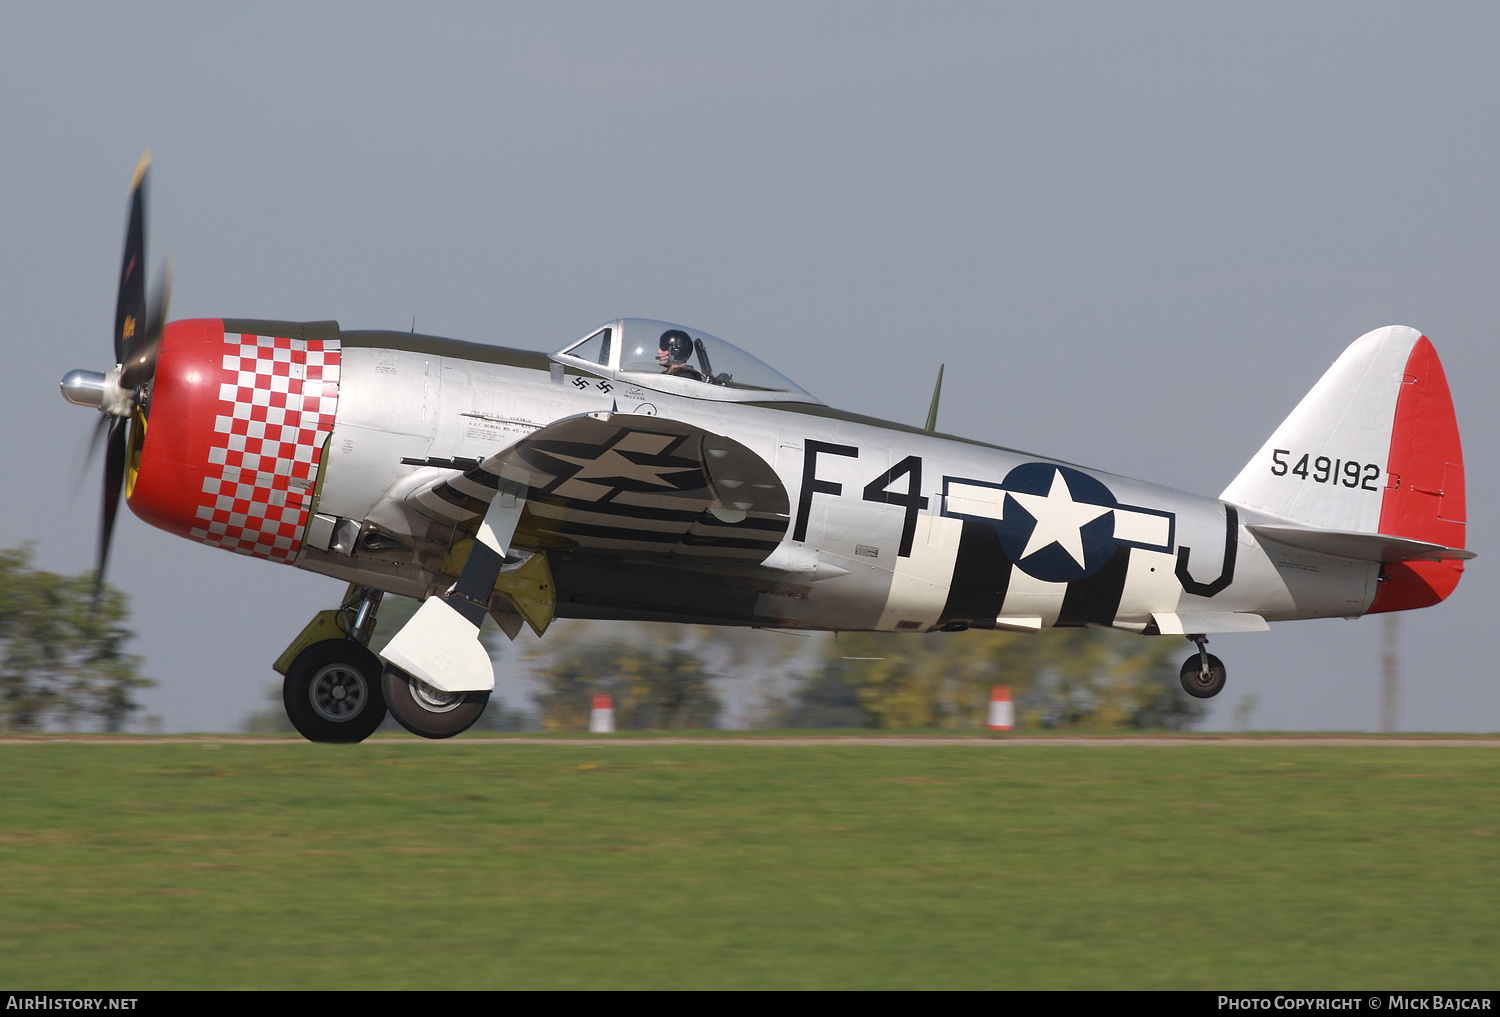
1323, 470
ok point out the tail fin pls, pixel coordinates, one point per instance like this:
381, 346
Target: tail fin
1373, 448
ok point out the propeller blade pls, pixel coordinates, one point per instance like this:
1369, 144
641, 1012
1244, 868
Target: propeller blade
101, 428
130, 309
114, 482
140, 363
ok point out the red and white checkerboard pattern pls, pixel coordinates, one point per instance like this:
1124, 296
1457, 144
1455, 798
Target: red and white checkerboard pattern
277, 398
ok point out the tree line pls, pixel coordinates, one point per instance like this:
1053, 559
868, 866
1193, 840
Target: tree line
62, 651
1094, 679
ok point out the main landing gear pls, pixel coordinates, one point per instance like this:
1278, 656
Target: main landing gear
1202, 674
332, 691
336, 690
426, 711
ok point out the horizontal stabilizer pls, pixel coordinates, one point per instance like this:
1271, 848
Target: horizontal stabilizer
1202, 623
1376, 547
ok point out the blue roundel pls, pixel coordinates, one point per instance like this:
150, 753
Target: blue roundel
1058, 525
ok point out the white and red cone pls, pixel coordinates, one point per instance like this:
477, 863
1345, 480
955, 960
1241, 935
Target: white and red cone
1002, 710
602, 717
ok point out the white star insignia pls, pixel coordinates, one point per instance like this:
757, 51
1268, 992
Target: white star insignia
1059, 519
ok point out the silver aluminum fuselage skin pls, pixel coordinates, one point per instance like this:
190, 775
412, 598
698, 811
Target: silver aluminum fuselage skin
866, 548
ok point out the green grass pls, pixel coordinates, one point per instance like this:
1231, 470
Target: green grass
399, 864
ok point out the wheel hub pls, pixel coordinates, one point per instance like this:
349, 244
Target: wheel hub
434, 700
338, 693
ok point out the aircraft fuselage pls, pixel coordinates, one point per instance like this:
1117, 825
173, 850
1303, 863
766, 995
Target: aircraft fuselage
890, 528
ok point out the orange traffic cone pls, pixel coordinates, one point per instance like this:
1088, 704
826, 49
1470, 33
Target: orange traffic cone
602, 717
1002, 710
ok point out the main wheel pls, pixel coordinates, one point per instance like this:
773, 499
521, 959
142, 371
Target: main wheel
426, 711
332, 692
1198, 685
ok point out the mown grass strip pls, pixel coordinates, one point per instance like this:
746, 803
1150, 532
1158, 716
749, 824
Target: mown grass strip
291, 866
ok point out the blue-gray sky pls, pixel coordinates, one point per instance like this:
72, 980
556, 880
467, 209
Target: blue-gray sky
1137, 234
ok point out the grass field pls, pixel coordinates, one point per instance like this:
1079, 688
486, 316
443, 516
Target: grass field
423, 865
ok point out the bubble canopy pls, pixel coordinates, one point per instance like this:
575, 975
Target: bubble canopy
674, 358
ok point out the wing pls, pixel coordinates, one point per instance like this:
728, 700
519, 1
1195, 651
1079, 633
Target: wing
625, 483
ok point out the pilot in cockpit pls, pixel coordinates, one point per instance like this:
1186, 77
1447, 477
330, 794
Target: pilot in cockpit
673, 352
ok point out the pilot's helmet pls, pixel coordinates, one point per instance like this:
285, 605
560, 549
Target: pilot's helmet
675, 347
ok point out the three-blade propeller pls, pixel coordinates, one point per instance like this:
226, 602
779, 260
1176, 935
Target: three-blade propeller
118, 393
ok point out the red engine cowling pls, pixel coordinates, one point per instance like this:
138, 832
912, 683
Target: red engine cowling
234, 437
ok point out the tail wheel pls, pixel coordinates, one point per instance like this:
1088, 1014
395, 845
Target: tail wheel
1197, 683
426, 711
332, 692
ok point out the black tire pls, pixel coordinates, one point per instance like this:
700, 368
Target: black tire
425, 711
1195, 684
332, 692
